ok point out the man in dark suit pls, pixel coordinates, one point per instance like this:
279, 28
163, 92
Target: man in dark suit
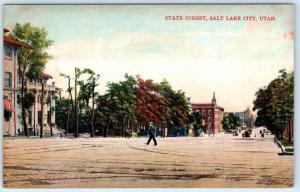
152, 133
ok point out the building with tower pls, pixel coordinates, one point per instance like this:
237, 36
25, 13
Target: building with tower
212, 115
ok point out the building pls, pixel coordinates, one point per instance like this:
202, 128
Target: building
12, 125
34, 121
10, 83
212, 115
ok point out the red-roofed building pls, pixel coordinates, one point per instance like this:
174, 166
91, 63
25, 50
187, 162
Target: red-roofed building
212, 115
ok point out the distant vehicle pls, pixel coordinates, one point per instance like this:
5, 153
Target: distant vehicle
235, 133
247, 133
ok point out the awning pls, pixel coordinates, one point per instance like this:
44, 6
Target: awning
8, 106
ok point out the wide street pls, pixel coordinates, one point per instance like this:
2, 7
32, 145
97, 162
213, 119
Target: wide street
220, 161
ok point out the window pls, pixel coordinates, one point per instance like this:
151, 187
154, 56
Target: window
7, 77
8, 51
209, 112
203, 112
209, 119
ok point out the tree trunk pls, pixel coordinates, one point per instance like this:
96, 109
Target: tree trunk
22, 101
92, 112
34, 123
289, 130
50, 118
75, 105
42, 112
67, 126
106, 127
123, 126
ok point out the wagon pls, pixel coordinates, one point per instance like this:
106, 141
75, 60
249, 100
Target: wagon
246, 134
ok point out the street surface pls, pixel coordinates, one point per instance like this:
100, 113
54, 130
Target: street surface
220, 161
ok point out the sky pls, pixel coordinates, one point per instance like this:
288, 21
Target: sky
231, 58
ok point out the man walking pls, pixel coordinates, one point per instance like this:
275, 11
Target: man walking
152, 133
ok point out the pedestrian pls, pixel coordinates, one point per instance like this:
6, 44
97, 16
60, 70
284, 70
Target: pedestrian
152, 133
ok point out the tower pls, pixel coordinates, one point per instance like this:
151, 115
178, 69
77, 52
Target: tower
213, 100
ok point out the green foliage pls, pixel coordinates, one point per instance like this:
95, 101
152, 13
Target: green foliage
31, 62
231, 122
127, 105
178, 109
62, 108
275, 103
34, 59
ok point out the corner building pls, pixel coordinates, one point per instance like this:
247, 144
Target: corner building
212, 115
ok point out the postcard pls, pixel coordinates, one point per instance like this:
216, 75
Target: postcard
148, 96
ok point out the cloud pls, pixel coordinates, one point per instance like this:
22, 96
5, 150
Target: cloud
233, 63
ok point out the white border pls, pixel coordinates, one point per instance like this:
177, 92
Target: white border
297, 88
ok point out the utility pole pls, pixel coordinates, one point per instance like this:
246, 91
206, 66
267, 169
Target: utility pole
34, 126
50, 110
42, 110
75, 105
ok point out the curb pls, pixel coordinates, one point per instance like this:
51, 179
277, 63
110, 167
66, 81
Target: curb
282, 147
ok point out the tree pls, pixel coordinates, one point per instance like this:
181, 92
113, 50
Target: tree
231, 122
31, 61
87, 93
197, 120
177, 106
124, 97
106, 107
275, 103
77, 74
62, 106
150, 104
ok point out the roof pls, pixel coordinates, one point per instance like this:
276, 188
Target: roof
205, 106
16, 42
45, 75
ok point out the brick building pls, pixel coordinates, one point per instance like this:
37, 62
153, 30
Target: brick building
212, 115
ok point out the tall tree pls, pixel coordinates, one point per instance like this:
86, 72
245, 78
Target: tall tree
31, 61
69, 100
150, 104
78, 72
86, 94
178, 109
106, 109
124, 94
275, 103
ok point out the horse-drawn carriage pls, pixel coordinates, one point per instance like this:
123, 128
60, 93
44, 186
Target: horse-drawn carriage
247, 133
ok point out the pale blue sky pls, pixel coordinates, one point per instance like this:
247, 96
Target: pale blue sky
233, 59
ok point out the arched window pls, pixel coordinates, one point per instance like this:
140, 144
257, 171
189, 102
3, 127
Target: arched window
7, 77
